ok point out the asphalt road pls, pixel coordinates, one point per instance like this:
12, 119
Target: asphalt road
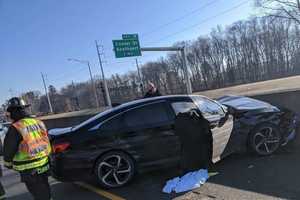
240, 176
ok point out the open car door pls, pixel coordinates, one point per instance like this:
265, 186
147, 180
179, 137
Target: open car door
221, 124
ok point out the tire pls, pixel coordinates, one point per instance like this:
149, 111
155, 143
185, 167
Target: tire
114, 169
264, 139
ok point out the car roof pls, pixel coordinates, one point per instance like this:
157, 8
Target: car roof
133, 104
152, 99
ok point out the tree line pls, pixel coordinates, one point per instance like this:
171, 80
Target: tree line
257, 49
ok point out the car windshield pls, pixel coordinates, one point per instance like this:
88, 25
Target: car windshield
203, 102
211, 110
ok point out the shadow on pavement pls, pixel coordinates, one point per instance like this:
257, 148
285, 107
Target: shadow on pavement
275, 175
62, 191
146, 186
272, 176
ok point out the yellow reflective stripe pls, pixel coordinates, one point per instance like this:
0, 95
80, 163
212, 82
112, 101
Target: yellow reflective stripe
42, 155
8, 164
29, 121
41, 170
31, 165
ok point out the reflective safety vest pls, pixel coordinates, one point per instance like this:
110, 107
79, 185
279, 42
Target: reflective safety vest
34, 148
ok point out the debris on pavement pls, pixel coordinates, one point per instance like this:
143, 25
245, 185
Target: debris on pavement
187, 182
250, 166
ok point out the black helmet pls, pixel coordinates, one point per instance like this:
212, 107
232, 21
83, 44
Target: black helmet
16, 102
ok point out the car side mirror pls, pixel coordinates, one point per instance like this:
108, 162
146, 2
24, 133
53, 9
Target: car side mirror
213, 125
230, 110
223, 120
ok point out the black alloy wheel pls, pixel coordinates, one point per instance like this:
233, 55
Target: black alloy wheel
265, 139
114, 169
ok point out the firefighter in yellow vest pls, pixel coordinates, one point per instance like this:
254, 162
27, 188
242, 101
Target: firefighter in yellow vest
27, 148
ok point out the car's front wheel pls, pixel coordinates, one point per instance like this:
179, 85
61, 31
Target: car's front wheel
114, 169
265, 139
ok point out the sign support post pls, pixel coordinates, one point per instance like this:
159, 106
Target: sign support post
129, 46
184, 62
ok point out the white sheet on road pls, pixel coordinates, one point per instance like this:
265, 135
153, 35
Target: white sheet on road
188, 182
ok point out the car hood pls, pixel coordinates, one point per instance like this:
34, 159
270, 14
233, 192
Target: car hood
245, 103
59, 131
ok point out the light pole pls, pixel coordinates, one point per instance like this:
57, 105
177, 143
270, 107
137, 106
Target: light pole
47, 93
92, 80
108, 100
140, 77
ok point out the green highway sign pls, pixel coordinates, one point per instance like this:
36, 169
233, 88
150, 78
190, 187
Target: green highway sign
127, 47
130, 37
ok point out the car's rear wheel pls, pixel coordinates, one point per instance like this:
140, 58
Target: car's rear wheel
114, 169
265, 139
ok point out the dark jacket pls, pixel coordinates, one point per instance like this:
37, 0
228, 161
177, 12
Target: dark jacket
11, 144
152, 94
195, 136
13, 138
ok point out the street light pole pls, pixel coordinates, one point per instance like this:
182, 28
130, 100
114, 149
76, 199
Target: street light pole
93, 84
91, 76
47, 94
139, 74
108, 100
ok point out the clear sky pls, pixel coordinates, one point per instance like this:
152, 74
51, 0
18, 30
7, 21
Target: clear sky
40, 35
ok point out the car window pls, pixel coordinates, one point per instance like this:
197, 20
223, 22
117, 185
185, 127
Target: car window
208, 107
112, 124
181, 107
212, 108
149, 115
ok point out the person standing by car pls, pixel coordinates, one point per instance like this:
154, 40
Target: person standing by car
152, 91
26, 149
195, 136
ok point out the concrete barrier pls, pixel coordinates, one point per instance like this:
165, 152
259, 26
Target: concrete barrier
289, 99
69, 119
65, 122
281, 92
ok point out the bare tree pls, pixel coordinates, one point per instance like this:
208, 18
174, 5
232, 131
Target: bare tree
288, 9
247, 51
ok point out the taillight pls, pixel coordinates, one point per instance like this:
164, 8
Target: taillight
60, 147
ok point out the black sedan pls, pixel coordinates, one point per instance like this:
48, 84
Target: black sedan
138, 136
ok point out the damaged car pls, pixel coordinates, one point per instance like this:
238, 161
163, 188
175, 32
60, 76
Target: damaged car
139, 136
